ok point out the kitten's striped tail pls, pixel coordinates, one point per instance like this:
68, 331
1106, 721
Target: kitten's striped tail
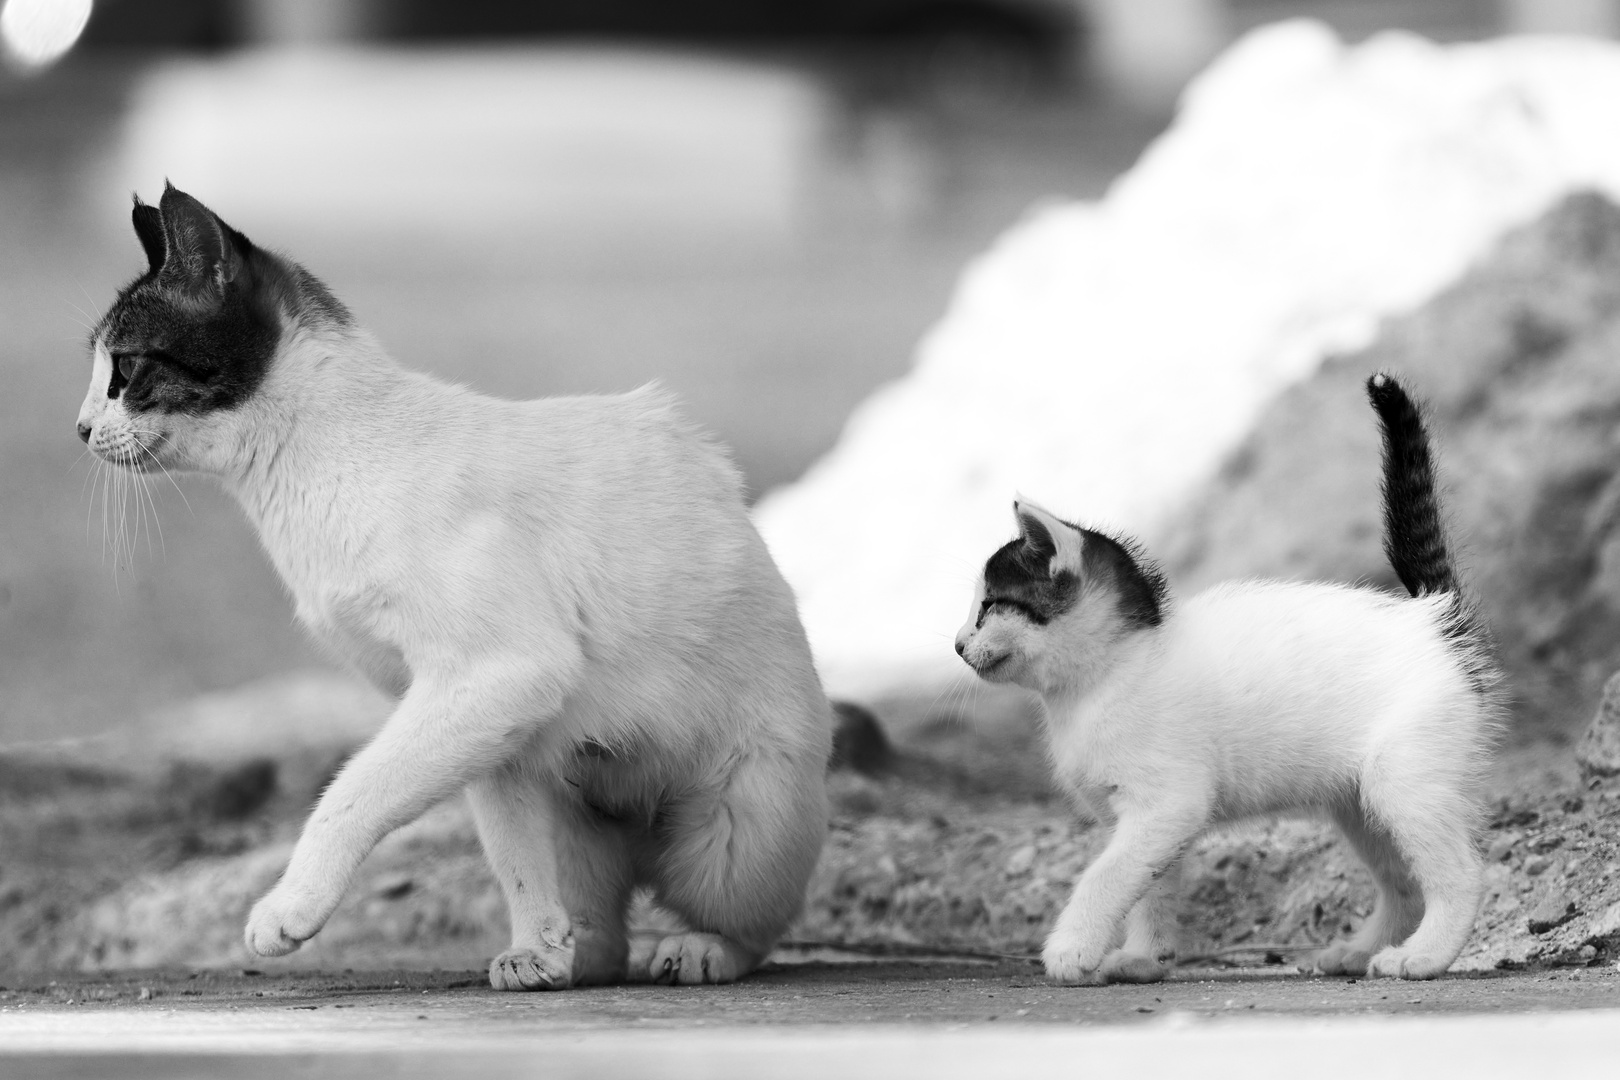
1414, 539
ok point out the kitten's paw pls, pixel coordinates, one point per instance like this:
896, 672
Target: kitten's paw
280, 922
1122, 966
693, 958
544, 968
1072, 964
1398, 963
1342, 958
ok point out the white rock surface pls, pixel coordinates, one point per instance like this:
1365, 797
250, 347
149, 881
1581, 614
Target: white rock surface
1103, 357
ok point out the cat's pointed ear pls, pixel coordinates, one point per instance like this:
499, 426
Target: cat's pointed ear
1048, 536
149, 228
203, 255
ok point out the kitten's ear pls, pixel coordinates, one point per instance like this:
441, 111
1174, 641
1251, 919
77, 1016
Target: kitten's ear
1048, 536
149, 228
202, 252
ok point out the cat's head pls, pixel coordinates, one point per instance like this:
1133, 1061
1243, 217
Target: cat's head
187, 346
1051, 603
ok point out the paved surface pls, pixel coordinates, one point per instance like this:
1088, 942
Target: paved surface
940, 1020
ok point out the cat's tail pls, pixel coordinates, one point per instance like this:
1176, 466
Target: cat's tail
1414, 538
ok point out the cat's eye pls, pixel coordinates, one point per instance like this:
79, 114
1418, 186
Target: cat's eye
1006, 603
127, 363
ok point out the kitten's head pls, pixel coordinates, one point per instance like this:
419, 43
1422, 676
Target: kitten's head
1052, 602
189, 343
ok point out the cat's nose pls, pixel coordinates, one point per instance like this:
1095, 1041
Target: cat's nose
961, 647
84, 431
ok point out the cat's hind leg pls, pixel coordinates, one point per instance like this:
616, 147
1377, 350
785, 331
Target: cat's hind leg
1150, 934
566, 875
732, 863
1397, 909
1431, 815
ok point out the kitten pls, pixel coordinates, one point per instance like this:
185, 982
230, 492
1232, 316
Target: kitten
1376, 712
566, 597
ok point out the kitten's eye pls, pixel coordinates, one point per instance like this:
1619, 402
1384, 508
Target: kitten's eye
127, 365
1005, 604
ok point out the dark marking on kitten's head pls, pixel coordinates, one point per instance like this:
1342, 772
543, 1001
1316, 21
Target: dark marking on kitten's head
1043, 573
198, 330
1138, 583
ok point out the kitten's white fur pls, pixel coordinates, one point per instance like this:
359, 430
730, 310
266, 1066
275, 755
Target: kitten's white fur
1252, 698
529, 579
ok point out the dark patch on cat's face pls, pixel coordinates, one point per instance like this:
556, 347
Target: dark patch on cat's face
1019, 577
198, 331
170, 359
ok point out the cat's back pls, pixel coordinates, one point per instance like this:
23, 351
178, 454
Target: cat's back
1312, 637
639, 444
1307, 612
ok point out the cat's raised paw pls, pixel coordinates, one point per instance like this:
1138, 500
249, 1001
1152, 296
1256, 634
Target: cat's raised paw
1122, 966
692, 958
1398, 963
1342, 958
533, 969
279, 923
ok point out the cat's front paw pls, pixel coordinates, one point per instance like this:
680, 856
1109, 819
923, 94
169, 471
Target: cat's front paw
282, 921
1342, 958
1397, 963
543, 968
1072, 961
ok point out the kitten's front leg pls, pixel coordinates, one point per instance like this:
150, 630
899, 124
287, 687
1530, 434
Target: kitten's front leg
1145, 846
445, 731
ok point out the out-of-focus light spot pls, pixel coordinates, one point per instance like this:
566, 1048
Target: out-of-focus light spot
37, 33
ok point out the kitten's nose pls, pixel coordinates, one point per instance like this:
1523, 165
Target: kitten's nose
84, 431
961, 647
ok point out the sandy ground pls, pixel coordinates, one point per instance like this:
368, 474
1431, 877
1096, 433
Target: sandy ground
946, 1019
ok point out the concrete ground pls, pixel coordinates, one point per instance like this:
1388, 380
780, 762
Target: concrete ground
820, 1019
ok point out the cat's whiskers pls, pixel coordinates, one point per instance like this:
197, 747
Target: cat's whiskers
164, 469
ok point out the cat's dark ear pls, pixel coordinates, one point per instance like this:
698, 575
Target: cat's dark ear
1048, 537
203, 254
149, 228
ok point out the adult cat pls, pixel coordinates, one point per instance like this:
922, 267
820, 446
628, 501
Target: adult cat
566, 597
1373, 711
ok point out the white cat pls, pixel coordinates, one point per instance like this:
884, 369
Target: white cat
1374, 711
581, 626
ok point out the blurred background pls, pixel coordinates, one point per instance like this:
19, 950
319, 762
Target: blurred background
764, 203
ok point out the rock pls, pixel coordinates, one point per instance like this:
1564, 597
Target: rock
1516, 364
1536, 865
1502, 847
1598, 752
858, 741
393, 886
1021, 860
1554, 911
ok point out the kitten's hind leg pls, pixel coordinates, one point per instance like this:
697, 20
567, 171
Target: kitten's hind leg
1431, 818
566, 877
1396, 911
1150, 934
733, 864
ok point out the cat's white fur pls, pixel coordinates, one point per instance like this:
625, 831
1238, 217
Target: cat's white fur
529, 579
1253, 698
